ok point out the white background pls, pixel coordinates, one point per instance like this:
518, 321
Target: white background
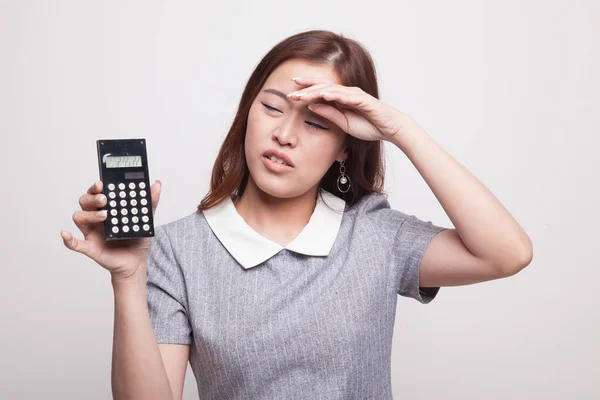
508, 88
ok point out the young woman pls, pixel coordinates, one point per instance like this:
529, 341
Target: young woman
283, 284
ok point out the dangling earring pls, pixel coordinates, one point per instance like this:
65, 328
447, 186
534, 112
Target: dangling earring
343, 178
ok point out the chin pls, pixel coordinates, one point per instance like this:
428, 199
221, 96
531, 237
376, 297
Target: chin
277, 186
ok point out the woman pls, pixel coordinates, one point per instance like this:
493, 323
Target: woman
283, 284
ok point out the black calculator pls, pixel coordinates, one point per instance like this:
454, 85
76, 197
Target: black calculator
123, 165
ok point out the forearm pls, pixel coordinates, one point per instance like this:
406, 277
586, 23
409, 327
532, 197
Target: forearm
486, 228
137, 367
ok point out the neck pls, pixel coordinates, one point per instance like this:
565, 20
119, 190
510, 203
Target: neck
279, 219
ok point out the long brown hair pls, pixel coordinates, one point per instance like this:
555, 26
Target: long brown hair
353, 64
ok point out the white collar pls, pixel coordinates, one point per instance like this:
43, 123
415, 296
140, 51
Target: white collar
250, 248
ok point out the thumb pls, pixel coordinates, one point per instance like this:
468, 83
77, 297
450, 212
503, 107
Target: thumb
331, 113
80, 246
155, 190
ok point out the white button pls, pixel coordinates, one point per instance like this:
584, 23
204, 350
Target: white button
115, 229
122, 194
112, 195
143, 193
136, 228
123, 203
133, 202
144, 210
125, 228
135, 220
114, 221
144, 202
142, 185
124, 220
113, 212
111, 186
134, 211
124, 211
145, 218
113, 203
131, 185
146, 227
132, 193
121, 186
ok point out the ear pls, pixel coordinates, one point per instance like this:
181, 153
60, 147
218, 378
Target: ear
343, 154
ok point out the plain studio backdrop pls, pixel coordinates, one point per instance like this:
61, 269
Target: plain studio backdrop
508, 88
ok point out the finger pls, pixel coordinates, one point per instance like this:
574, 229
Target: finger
345, 97
95, 188
155, 190
332, 114
297, 94
91, 202
78, 245
84, 219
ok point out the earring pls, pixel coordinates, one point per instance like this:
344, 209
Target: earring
343, 178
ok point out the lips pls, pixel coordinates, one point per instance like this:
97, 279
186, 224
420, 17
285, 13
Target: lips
279, 155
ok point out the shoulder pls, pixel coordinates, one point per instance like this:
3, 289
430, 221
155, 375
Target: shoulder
183, 229
374, 208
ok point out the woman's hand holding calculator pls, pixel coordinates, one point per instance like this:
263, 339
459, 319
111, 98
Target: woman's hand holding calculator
124, 259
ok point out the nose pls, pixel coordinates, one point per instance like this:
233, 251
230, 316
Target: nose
285, 133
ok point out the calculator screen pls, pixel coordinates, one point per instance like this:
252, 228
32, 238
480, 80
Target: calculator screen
123, 161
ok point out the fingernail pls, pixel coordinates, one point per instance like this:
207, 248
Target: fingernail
102, 213
98, 184
296, 77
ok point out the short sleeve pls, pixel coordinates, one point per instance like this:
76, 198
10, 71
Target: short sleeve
410, 244
402, 240
166, 292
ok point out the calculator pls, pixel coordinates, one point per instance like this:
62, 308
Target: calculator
123, 166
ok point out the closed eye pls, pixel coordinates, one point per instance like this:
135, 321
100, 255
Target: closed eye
315, 125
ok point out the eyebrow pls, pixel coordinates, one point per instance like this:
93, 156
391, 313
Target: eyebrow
278, 93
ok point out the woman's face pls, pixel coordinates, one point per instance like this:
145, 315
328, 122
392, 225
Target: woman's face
312, 143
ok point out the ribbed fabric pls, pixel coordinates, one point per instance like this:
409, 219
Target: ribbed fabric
295, 326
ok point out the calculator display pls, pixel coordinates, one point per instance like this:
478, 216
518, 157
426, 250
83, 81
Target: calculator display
123, 161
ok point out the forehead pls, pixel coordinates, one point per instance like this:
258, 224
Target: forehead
291, 68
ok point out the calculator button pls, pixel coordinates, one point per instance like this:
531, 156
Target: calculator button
115, 229
135, 220
143, 193
122, 194
134, 211
144, 210
114, 221
121, 186
146, 227
145, 218
144, 202
142, 185
113, 203
113, 212
124, 211
133, 202
111, 186
135, 228
131, 185
123, 203
112, 195
125, 229
132, 193
124, 220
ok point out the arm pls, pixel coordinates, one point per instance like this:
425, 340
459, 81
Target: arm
487, 243
138, 370
175, 358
